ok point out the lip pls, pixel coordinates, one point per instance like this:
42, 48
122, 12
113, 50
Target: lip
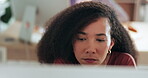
89, 60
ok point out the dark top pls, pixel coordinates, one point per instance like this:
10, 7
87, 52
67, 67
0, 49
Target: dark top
116, 58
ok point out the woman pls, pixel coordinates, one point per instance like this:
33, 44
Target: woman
87, 33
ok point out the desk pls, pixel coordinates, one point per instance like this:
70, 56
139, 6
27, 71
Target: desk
17, 50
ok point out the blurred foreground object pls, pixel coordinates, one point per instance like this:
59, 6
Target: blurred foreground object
49, 71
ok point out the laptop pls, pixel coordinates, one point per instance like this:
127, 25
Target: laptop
52, 71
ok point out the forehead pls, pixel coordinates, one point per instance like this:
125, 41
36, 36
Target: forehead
101, 25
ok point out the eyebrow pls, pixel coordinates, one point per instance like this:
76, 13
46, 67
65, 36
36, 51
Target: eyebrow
84, 33
101, 34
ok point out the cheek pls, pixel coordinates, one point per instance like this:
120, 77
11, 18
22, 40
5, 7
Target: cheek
77, 47
103, 46
102, 49
102, 52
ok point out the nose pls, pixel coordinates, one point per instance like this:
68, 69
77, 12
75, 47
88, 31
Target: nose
91, 49
90, 52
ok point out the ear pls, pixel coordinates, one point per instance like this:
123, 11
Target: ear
112, 43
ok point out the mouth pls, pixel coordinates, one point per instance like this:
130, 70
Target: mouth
90, 60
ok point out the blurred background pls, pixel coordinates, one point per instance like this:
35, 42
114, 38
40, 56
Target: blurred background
22, 24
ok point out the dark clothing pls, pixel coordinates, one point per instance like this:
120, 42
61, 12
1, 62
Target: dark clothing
116, 58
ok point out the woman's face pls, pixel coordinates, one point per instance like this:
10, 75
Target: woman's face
91, 45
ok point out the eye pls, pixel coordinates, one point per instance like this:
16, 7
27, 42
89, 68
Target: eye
81, 39
100, 40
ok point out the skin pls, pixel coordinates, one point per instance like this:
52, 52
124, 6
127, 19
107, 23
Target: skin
92, 44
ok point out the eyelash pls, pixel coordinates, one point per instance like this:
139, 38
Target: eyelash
100, 40
82, 39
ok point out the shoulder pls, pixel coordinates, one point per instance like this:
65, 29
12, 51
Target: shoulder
60, 61
118, 58
122, 55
